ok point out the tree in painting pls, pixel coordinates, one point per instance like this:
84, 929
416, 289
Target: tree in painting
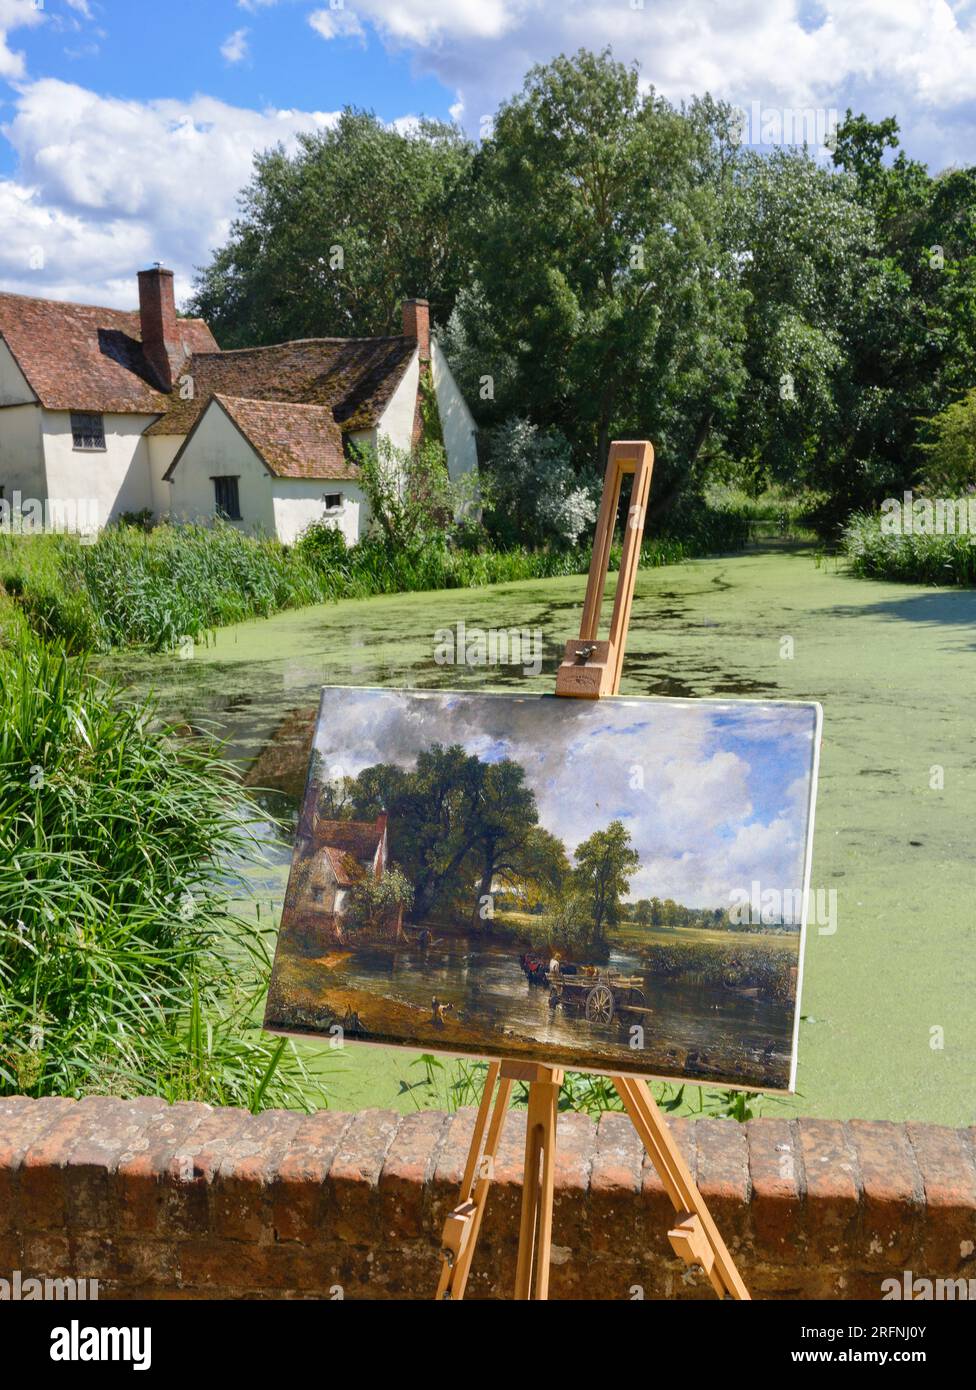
604, 864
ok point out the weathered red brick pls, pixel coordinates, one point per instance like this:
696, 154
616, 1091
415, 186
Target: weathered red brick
833, 1191
22, 1121
239, 1192
776, 1170
355, 1173
328, 1204
298, 1194
948, 1234
185, 1209
89, 1170
616, 1177
409, 1162
41, 1186
145, 1165
892, 1193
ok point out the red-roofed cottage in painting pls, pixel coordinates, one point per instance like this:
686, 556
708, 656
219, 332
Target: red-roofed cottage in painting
339, 854
142, 411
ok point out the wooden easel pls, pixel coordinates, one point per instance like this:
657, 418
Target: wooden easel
590, 668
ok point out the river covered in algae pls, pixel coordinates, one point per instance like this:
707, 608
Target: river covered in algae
888, 1026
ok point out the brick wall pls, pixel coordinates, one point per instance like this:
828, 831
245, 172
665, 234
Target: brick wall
154, 1199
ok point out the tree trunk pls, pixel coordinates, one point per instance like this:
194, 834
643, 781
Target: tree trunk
478, 922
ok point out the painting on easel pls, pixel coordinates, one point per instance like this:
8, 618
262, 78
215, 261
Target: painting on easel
617, 885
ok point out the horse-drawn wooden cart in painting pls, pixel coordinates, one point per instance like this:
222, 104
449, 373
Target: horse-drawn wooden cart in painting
598, 993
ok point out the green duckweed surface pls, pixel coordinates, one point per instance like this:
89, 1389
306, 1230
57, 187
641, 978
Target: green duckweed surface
889, 1024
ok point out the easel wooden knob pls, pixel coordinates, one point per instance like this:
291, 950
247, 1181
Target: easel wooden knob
590, 668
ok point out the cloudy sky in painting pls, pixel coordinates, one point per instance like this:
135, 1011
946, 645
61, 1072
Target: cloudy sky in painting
127, 128
715, 795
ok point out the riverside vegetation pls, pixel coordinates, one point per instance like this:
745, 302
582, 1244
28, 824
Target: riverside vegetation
117, 830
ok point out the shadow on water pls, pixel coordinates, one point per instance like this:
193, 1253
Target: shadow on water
941, 608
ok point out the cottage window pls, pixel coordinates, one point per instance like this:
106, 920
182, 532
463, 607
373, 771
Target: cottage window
87, 430
333, 501
226, 499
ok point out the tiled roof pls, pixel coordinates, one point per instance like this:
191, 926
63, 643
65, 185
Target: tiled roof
81, 357
359, 838
346, 868
295, 441
354, 377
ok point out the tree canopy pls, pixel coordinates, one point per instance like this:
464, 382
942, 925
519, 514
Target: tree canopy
608, 264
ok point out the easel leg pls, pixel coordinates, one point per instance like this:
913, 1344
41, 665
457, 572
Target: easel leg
462, 1226
535, 1233
695, 1237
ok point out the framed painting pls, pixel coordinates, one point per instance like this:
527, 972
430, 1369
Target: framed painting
618, 885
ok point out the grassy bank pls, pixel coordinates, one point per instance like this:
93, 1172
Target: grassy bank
158, 588
116, 944
907, 559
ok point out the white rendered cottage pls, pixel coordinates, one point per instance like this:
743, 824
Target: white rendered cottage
104, 412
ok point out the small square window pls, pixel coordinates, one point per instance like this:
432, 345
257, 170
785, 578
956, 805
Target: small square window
87, 430
226, 498
333, 501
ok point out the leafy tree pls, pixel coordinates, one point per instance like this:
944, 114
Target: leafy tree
603, 297
505, 814
543, 868
532, 494
330, 240
432, 817
409, 492
950, 467
376, 903
801, 234
604, 864
643, 913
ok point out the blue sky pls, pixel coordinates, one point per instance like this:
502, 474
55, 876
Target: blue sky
714, 795
127, 128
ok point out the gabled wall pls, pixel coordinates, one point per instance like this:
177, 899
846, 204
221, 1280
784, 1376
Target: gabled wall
457, 422
163, 449
14, 388
396, 422
22, 453
217, 448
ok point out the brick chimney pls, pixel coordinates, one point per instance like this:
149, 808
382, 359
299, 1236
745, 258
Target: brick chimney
161, 343
416, 324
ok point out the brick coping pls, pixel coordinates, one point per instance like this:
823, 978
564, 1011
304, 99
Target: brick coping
196, 1201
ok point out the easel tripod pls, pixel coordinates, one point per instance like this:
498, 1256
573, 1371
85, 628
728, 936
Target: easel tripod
590, 668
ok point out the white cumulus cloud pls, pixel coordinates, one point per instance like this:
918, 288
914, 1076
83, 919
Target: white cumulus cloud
336, 24
107, 184
15, 14
234, 48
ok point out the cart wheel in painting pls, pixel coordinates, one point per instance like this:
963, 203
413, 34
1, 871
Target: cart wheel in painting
599, 1005
637, 998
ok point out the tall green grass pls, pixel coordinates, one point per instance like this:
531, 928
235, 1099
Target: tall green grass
152, 589
916, 559
121, 969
